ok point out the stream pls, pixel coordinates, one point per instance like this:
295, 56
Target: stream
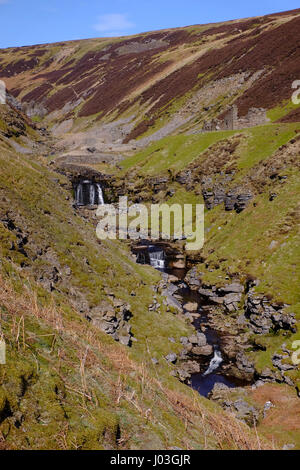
202, 382
88, 192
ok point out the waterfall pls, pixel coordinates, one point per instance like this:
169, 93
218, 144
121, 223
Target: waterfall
79, 195
214, 363
100, 200
88, 193
157, 259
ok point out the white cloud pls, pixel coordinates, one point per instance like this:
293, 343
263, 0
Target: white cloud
113, 24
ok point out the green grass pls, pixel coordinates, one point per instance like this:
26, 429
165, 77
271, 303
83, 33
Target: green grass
172, 153
244, 241
263, 141
281, 110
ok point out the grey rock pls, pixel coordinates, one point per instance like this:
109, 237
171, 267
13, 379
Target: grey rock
232, 297
170, 301
217, 300
198, 339
188, 368
126, 340
172, 358
219, 388
246, 412
201, 339
241, 320
244, 364
206, 292
206, 350
193, 339
184, 340
235, 287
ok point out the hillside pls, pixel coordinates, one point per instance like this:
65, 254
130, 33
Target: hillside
200, 114
166, 78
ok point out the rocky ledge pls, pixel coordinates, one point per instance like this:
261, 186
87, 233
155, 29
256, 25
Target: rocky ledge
112, 318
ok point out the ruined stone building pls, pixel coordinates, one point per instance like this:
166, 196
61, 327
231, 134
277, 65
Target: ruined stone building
231, 121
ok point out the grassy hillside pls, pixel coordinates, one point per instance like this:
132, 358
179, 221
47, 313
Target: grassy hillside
262, 242
178, 77
174, 153
66, 384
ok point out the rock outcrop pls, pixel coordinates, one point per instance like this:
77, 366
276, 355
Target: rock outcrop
236, 401
265, 316
113, 320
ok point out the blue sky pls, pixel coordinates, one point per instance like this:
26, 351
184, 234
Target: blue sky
25, 22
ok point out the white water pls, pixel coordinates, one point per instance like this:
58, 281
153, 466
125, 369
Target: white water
214, 363
100, 194
157, 259
88, 193
79, 194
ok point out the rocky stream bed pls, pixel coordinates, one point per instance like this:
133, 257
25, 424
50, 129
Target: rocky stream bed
214, 359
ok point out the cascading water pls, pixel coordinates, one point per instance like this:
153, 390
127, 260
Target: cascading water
153, 255
99, 194
88, 193
213, 373
79, 195
157, 259
203, 382
215, 362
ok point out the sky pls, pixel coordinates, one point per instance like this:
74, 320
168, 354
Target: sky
26, 22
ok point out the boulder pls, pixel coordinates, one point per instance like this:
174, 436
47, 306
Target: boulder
206, 350
187, 369
264, 316
245, 366
191, 306
231, 301
170, 301
184, 340
201, 339
219, 391
126, 340
193, 339
232, 297
246, 412
235, 400
170, 289
172, 358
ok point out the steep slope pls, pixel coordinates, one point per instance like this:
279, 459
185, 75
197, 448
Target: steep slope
67, 384
156, 80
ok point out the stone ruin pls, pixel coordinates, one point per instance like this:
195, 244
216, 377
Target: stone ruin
231, 121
